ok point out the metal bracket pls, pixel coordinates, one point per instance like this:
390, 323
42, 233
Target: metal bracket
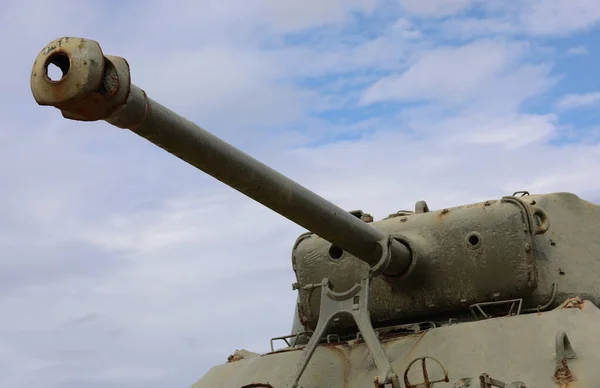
426, 382
421, 207
487, 382
536, 218
352, 303
286, 338
515, 307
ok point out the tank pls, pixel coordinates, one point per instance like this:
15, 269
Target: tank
501, 293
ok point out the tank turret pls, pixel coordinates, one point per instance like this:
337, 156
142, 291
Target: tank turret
380, 286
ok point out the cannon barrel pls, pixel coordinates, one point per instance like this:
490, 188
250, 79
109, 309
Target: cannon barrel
98, 87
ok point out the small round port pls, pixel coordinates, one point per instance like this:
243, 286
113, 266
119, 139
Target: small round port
335, 253
57, 66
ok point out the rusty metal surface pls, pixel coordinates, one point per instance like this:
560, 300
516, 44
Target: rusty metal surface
241, 354
512, 350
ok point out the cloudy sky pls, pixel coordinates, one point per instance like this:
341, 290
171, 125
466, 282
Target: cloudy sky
121, 266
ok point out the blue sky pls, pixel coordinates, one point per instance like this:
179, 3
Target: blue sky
118, 266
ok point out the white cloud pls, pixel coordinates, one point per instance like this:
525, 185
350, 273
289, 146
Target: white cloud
470, 27
212, 80
559, 17
239, 20
508, 132
123, 266
573, 101
435, 8
524, 17
443, 167
302, 14
578, 50
457, 75
404, 28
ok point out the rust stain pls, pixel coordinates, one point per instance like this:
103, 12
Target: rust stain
285, 350
394, 335
585, 304
233, 358
399, 213
301, 317
464, 382
376, 382
563, 376
378, 385
572, 303
342, 356
440, 216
